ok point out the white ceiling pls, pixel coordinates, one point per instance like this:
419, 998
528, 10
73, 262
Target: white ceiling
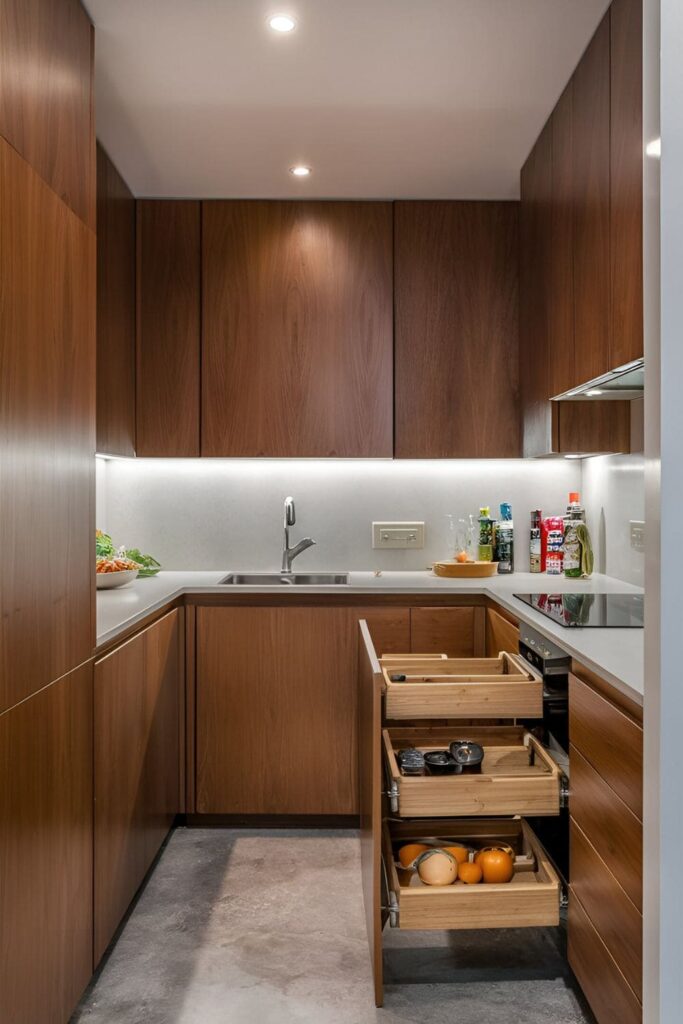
383, 98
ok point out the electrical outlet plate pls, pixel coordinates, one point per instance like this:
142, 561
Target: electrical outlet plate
637, 531
398, 535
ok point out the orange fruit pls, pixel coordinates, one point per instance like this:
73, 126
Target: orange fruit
488, 849
407, 855
461, 853
461, 556
469, 872
496, 866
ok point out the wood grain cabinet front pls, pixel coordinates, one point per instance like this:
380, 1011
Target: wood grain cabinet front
115, 311
456, 326
168, 327
457, 632
46, 95
297, 319
46, 816
137, 763
276, 711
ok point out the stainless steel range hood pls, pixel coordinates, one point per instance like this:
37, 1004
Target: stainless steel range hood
625, 383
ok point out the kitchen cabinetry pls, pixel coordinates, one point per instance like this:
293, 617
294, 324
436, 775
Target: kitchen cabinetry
590, 124
115, 311
46, 851
168, 327
456, 330
457, 632
581, 242
47, 433
276, 711
605, 909
522, 779
46, 86
137, 762
296, 329
626, 180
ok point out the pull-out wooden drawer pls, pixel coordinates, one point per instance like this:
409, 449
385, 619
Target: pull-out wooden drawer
517, 776
500, 687
531, 899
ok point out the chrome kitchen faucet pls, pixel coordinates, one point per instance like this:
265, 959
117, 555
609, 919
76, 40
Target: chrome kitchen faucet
289, 554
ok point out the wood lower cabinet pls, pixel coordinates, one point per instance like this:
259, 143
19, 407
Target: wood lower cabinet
389, 628
501, 634
276, 711
115, 311
297, 322
456, 330
168, 327
137, 763
457, 632
46, 802
47, 432
605, 927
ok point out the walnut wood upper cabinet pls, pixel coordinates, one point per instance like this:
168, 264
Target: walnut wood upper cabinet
137, 763
47, 433
277, 711
456, 344
115, 310
591, 195
168, 327
46, 86
296, 329
46, 802
626, 178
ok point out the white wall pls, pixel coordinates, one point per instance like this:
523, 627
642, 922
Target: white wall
207, 514
614, 494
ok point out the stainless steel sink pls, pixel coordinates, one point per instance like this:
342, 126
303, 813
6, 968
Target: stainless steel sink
273, 579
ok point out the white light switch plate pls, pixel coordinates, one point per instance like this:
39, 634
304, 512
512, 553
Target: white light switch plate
637, 528
398, 535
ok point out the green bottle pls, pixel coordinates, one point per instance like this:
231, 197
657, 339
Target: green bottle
578, 550
485, 548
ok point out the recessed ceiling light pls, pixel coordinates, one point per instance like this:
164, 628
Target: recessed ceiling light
573, 456
593, 393
282, 22
300, 171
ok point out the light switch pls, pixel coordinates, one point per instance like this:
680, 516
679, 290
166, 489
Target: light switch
637, 528
398, 535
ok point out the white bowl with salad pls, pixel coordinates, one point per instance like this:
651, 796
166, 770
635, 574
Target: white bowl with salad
119, 566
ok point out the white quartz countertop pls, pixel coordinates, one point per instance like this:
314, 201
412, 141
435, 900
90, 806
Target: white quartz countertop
614, 654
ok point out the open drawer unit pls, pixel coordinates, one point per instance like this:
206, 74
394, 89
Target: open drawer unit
517, 775
530, 899
428, 687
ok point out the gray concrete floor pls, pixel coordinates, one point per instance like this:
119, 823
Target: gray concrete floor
235, 927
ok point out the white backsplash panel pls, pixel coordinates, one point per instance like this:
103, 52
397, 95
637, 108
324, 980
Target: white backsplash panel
614, 496
216, 513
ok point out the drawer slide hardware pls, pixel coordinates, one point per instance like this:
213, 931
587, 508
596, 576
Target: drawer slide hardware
392, 793
564, 791
393, 908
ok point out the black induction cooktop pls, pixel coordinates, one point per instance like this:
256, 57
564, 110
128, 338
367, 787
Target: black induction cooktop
603, 611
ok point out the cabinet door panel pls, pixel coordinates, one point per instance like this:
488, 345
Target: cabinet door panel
46, 78
47, 434
277, 711
457, 632
168, 327
137, 764
296, 329
46, 801
560, 299
591, 174
626, 192
456, 375
115, 311
389, 629
535, 284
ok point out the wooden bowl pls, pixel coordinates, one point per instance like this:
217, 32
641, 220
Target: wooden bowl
465, 570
